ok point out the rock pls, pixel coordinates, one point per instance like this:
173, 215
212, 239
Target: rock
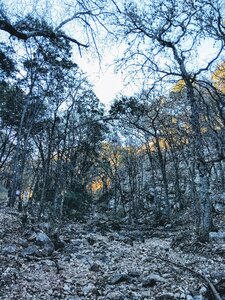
217, 236
23, 242
146, 294
32, 237
168, 226
44, 226
11, 249
152, 280
118, 278
127, 240
115, 296
77, 243
218, 275
30, 250
166, 296
134, 273
91, 240
198, 297
44, 241
95, 268
203, 290
66, 288
219, 207
222, 196
88, 288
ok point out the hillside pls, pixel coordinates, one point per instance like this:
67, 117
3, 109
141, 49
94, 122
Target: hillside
104, 259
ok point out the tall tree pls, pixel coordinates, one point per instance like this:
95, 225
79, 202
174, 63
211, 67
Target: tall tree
163, 38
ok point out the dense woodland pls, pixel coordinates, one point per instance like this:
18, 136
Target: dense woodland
155, 158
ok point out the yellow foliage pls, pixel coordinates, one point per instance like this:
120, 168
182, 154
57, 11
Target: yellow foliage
112, 153
178, 87
174, 120
218, 77
98, 184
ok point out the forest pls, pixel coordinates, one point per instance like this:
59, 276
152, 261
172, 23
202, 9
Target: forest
125, 202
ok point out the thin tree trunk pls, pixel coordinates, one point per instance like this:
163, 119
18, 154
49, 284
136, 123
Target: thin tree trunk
205, 211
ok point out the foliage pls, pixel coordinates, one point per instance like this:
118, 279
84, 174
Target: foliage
218, 77
178, 87
7, 65
77, 202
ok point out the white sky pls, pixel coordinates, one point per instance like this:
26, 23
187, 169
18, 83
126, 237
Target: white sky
107, 84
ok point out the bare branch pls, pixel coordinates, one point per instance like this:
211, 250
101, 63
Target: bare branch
12, 30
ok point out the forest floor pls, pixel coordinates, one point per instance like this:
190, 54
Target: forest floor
98, 260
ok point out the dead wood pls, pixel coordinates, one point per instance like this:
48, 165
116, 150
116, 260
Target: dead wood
202, 276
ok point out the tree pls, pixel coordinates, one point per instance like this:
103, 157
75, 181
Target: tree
77, 21
163, 37
146, 116
218, 77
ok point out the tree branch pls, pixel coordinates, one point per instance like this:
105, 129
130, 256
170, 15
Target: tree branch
6, 26
12, 30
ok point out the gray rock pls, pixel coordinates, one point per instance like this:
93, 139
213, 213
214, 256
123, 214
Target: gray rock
115, 296
88, 289
66, 288
134, 273
32, 237
44, 241
95, 268
219, 207
31, 250
44, 226
146, 294
23, 242
118, 278
11, 249
217, 236
42, 238
203, 290
167, 296
152, 280
77, 243
198, 297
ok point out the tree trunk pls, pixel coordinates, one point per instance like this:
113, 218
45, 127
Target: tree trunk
205, 205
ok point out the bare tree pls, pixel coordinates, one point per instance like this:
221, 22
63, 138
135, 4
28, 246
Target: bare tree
163, 38
76, 21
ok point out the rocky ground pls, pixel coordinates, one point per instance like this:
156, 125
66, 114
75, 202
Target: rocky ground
98, 260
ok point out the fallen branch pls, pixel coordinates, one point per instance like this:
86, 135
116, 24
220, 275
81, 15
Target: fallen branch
204, 277
213, 289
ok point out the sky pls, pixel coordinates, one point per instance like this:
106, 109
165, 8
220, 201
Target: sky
107, 84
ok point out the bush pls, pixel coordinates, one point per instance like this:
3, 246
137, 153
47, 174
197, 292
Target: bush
77, 203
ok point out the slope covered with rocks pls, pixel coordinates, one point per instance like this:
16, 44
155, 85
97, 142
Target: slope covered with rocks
100, 259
